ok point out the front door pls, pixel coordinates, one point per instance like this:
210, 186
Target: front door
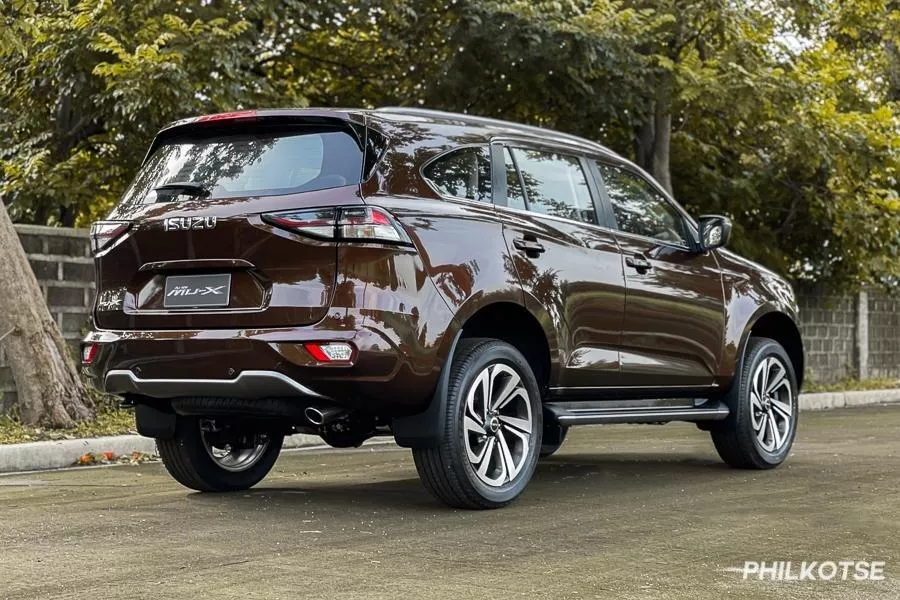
674, 311
569, 267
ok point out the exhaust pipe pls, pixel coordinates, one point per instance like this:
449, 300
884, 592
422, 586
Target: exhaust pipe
323, 415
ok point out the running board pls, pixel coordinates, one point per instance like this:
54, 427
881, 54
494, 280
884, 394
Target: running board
569, 415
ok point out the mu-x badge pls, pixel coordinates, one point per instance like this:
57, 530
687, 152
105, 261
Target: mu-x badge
186, 290
189, 223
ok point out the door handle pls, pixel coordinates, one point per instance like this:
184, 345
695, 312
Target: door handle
639, 263
529, 245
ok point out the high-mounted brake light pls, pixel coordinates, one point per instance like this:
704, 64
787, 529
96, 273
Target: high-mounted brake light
362, 224
104, 232
228, 116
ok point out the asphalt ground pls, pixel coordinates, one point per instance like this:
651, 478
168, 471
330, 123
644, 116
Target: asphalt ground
620, 512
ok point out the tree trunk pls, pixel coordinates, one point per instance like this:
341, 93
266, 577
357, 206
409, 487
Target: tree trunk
49, 389
653, 139
662, 144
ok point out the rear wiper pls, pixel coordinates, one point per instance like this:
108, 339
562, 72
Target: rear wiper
188, 188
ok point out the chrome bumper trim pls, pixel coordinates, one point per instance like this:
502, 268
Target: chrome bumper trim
249, 384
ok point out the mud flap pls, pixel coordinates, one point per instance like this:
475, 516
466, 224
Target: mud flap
425, 429
153, 422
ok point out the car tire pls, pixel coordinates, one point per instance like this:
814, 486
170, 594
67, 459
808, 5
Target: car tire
488, 449
553, 438
197, 462
761, 427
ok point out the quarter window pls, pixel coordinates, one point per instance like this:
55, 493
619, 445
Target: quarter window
639, 208
555, 185
463, 173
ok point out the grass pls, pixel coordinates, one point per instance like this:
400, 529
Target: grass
110, 420
852, 385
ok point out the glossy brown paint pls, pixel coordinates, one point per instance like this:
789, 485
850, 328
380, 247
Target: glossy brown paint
282, 279
682, 325
577, 282
674, 316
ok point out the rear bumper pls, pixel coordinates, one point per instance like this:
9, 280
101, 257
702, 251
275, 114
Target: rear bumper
386, 376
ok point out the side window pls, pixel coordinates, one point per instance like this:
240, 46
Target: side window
555, 185
515, 198
464, 173
639, 208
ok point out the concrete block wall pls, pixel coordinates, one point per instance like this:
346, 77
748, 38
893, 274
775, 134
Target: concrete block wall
828, 327
61, 260
884, 336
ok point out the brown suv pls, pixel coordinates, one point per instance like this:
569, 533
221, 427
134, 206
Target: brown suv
470, 286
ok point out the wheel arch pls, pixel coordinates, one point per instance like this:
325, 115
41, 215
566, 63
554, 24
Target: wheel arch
780, 327
503, 320
514, 324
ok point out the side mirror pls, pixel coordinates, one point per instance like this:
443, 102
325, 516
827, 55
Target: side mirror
715, 231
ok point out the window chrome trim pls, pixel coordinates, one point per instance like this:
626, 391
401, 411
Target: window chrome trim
603, 228
658, 242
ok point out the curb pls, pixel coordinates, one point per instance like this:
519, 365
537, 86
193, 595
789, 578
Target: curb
40, 456
59, 454
826, 400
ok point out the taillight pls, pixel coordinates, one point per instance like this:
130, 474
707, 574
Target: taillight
317, 223
103, 233
362, 224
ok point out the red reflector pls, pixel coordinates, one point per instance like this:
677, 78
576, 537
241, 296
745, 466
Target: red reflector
330, 352
238, 114
89, 353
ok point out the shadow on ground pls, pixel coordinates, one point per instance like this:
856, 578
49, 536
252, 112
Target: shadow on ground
556, 478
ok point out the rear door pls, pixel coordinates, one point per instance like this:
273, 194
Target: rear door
568, 264
198, 252
674, 309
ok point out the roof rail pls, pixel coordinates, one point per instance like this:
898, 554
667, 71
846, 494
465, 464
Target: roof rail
532, 129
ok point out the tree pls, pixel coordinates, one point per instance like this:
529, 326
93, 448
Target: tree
780, 113
85, 86
49, 389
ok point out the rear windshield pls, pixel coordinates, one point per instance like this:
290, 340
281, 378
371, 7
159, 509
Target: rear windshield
250, 164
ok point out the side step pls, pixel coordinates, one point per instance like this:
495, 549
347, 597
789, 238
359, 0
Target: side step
572, 413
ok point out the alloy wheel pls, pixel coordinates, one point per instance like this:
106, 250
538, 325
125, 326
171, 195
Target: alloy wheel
771, 404
497, 425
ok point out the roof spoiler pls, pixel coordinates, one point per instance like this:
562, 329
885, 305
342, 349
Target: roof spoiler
353, 121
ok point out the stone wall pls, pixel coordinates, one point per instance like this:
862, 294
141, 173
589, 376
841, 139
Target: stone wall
61, 260
845, 336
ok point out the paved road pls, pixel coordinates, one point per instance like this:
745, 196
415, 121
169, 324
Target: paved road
621, 512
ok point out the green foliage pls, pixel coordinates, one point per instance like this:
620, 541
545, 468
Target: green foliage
781, 114
85, 85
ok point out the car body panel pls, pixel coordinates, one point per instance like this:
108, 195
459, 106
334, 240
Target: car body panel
578, 281
674, 316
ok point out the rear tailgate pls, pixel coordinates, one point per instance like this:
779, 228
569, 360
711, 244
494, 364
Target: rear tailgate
201, 256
